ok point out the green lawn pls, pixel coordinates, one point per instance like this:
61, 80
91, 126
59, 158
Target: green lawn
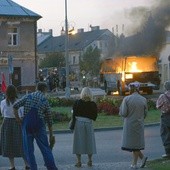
104, 121
159, 164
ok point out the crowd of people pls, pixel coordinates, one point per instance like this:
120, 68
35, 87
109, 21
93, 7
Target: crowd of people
25, 120
54, 81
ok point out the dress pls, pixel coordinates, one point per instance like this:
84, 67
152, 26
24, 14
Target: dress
11, 135
133, 110
84, 138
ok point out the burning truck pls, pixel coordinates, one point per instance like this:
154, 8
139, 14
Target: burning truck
117, 73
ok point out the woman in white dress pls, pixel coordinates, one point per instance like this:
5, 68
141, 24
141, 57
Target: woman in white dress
11, 135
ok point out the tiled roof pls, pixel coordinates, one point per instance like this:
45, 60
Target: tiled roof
76, 42
10, 8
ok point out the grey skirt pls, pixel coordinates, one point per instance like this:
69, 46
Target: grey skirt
84, 139
11, 138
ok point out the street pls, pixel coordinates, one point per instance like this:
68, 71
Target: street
108, 150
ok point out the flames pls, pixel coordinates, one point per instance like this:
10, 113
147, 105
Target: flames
130, 64
133, 67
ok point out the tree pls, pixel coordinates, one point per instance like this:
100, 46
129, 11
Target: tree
90, 61
53, 60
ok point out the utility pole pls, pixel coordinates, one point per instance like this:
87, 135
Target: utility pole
67, 89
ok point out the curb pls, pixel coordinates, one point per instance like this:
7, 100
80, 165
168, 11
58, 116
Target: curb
102, 129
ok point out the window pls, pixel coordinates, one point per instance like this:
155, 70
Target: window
12, 36
74, 60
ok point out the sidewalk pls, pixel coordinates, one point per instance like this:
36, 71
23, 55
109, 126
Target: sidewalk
99, 166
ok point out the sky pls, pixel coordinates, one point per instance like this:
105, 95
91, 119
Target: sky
83, 13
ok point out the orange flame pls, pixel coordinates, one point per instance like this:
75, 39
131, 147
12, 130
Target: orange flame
133, 67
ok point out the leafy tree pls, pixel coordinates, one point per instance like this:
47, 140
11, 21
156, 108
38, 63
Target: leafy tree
90, 61
53, 60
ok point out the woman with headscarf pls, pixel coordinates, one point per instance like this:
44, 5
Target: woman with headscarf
134, 110
163, 103
85, 111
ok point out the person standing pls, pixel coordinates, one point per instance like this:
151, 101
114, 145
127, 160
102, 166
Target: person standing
134, 109
36, 114
85, 111
163, 104
11, 135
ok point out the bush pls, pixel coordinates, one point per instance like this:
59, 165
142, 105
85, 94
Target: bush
56, 101
151, 104
59, 117
109, 106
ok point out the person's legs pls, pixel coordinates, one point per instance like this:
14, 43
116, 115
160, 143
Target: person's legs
89, 160
141, 155
78, 164
143, 158
11, 161
26, 164
135, 159
29, 151
42, 142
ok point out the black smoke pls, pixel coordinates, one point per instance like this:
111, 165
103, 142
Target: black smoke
152, 32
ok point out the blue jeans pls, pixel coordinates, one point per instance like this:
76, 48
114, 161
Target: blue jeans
42, 142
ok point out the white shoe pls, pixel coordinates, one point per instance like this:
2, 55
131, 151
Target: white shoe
143, 162
165, 156
134, 167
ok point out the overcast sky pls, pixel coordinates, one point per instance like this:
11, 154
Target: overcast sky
82, 13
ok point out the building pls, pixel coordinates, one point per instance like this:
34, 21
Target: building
18, 43
103, 39
164, 60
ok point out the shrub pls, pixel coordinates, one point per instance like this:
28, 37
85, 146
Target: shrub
109, 106
59, 117
151, 104
56, 101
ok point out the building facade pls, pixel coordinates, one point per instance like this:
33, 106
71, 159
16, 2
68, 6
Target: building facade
18, 31
164, 60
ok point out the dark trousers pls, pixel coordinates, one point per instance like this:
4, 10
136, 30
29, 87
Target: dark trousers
165, 132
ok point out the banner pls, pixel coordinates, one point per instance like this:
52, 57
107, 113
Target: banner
3, 83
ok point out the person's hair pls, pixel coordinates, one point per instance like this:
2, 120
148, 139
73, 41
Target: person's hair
86, 94
11, 94
42, 86
134, 88
167, 85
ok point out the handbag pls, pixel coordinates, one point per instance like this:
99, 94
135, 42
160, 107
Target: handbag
72, 122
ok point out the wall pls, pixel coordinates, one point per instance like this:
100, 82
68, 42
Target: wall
24, 53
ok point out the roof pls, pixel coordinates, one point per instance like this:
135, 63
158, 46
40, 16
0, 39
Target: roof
77, 42
10, 8
42, 37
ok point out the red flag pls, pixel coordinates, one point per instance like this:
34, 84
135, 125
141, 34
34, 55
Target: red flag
3, 84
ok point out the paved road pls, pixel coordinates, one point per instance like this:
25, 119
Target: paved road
109, 156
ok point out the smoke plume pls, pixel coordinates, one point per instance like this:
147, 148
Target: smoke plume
152, 32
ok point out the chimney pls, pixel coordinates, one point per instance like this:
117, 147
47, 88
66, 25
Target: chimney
80, 30
62, 31
39, 30
94, 28
51, 31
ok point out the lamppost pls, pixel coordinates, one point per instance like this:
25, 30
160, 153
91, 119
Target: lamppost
67, 89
